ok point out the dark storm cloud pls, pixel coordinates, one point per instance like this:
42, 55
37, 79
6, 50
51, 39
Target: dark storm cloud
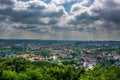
6, 2
83, 18
2, 18
31, 15
24, 27
112, 15
108, 13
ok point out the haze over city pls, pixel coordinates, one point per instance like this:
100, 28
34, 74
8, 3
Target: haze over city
60, 19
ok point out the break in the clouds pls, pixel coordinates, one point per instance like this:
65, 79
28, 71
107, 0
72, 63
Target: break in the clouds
60, 19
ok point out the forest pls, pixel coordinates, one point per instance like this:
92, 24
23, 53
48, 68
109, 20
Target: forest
23, 69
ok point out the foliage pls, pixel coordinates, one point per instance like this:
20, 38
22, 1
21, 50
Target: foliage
22, 69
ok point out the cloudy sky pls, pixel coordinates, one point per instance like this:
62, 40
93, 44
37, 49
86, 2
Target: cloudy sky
60, 19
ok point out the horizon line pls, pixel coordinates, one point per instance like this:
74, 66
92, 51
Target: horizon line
57, 39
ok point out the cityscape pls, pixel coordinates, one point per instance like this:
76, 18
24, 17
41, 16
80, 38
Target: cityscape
59, 39
75, 53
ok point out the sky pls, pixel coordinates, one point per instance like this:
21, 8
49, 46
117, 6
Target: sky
60, 19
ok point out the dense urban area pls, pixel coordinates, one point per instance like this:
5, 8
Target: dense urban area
59, 60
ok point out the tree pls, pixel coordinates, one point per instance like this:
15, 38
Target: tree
9, 75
